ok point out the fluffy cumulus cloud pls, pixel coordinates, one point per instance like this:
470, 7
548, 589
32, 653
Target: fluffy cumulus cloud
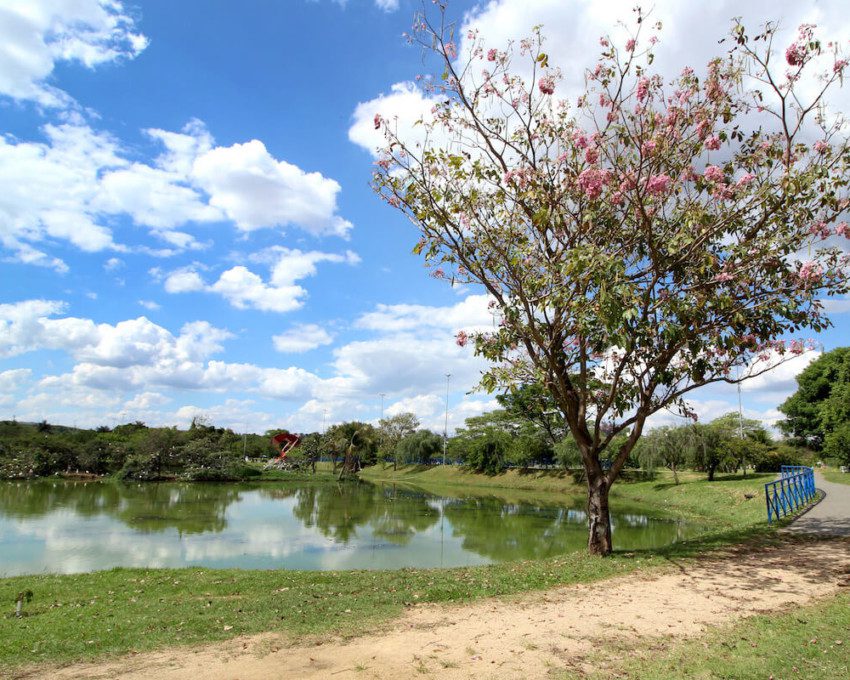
255, 190
67, 187
302, 338
134, 367
402, 107
35, 35
244, 289
473, 313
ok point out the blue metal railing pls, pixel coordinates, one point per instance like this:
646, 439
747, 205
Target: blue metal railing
788, 470
794, 489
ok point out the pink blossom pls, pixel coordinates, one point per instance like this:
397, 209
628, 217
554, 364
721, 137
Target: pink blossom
842, 229
491, 55
378, 121
811, 272
703, 128
712, 143
394, 201
839, 65
713, 174
461, 338
821, 146
546, 85
658, 184
451, 50
383, 163
592, 181
630, 45
643, 88
745, 179
794, 54
591, 155
580, 139
722, 277
648, 148
797, 347
617, 198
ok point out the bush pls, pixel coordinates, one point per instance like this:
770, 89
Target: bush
774, 458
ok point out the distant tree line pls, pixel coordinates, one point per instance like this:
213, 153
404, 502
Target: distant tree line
525, 432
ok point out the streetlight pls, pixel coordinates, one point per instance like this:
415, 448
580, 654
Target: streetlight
446, 426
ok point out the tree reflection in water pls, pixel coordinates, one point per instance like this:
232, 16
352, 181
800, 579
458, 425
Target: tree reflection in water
268, 525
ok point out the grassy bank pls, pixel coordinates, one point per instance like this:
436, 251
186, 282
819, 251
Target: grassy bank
807, 642
729, 502
122, 610
83, 616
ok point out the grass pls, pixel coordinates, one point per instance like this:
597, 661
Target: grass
807, 642
83, 616
835, 475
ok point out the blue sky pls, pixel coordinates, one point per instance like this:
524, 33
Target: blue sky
187, 226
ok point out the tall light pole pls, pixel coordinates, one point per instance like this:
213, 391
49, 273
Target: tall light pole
446, 426
382, 395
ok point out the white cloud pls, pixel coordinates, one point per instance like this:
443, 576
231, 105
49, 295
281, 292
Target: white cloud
387, 5
255, 190
66, 187
150, 304
37, 34
10, 382
470, 314
302, 338
245, 289
402, 107
184, 281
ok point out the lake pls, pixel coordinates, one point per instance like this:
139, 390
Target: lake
66, 526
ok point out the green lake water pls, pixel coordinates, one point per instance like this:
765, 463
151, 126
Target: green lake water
66, 527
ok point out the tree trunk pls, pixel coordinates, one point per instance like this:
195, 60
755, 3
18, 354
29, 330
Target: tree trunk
599, 535
710, 473
675, 475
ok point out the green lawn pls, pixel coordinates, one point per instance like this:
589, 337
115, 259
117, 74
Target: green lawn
112, 612
805, 642
834, 475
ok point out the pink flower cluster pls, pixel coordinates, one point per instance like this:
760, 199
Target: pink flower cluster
712, 143
658, 184
795, 54
630, 45
461, 338
745, 179
378, 121
811, 272
821, 146
451, 50
592, 181
643, 88
713, 174
491, 55
546, 85
842, 229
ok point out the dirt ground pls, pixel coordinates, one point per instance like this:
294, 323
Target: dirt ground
533, 636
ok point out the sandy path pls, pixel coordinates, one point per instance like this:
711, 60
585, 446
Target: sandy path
528, 637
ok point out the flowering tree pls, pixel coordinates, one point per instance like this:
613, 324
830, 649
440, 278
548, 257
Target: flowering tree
655, 237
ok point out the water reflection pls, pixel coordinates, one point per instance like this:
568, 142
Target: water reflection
76, 526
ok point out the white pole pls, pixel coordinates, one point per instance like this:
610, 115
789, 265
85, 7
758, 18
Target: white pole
446, 426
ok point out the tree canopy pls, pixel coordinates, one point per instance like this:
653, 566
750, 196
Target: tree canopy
821, 403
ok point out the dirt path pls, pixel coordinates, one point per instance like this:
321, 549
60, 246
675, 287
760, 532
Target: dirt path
534, 636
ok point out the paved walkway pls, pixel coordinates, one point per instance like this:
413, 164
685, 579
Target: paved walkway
830, 517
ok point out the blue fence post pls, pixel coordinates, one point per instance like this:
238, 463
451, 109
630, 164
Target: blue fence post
794, 489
